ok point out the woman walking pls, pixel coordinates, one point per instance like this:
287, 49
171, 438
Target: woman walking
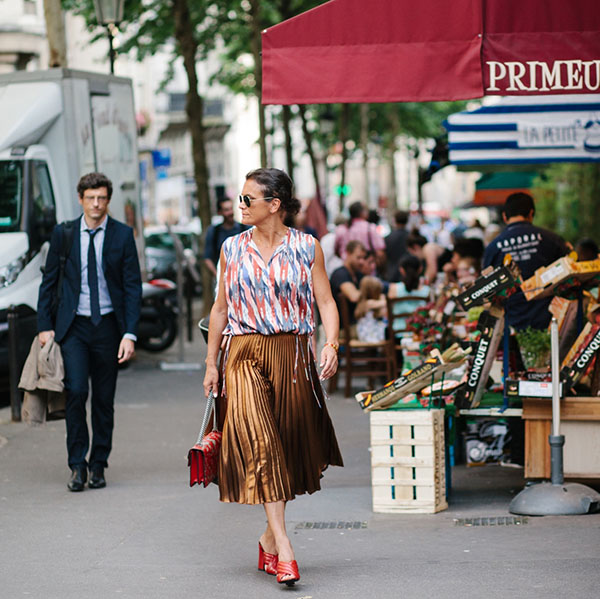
277, 435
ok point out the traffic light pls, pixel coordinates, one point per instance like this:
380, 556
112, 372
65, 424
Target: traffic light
344, 190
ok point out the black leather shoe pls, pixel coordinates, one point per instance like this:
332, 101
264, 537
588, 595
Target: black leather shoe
97, 480
78, 478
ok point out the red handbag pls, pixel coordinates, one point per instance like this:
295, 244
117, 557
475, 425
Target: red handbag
203, 458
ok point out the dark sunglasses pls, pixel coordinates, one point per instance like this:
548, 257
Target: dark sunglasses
248, 200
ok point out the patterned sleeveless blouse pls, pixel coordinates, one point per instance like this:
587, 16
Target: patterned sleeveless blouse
271, 298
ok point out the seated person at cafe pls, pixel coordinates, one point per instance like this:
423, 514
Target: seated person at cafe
410, 284
346, 279
468, 249
371, 311
467, 270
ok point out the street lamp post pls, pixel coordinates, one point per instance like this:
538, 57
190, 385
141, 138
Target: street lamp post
109, 13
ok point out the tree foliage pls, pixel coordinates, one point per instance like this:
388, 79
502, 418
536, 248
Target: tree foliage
567, 200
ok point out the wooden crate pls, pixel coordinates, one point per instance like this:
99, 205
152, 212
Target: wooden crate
408, 466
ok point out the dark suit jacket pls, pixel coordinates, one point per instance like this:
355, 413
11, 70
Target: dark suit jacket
121, 270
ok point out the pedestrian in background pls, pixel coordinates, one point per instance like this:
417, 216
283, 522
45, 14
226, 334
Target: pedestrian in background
360, 229
217, 234
277, 435
531, 247
95, 323
332, 260
395, 245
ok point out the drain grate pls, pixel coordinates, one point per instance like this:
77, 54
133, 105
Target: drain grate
492, 521
337, 525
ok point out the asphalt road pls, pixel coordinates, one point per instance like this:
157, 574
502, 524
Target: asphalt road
149, 535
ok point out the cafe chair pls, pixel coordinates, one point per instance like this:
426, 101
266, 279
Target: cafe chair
358, 358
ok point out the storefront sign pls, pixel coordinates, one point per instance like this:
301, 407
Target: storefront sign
486, 286
587, 349
538, 76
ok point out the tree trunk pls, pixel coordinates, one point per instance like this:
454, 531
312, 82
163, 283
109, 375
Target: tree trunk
194, 107
55, 32
255, 23
392, 204
364, 143
344, 121
286, 119
311, 153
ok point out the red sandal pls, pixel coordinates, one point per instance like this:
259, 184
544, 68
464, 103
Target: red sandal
267, 561
287, 573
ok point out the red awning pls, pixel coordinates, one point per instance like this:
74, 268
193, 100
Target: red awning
403, 51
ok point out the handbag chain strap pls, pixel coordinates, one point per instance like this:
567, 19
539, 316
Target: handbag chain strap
210, 402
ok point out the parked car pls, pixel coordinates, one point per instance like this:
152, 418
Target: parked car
161, 258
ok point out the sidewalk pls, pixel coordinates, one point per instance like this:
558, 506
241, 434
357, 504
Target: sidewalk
148, 535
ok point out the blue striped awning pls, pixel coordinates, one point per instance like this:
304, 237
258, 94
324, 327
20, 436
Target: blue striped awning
521, 130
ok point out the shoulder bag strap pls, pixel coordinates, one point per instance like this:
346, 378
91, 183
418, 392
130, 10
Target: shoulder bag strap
65, 248
210, 402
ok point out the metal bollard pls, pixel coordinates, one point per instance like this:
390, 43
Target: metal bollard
13, 364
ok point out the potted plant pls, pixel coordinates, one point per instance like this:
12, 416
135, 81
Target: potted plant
535, 347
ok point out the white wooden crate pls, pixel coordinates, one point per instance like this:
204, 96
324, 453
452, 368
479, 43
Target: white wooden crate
408, 465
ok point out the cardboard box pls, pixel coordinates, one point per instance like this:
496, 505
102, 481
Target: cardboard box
491, 325
492, 282
523, 388
428, 372
546, 279
409, 382
581, 356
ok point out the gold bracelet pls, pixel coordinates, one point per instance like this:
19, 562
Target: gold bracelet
335, 346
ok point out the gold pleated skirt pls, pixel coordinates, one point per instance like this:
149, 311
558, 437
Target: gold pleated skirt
277, 439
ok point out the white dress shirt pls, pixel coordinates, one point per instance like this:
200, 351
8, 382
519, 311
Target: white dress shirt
84, 306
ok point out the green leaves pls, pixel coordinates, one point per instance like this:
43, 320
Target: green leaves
567, 199
535, 347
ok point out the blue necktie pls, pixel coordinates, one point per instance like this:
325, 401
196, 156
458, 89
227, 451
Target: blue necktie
93, 280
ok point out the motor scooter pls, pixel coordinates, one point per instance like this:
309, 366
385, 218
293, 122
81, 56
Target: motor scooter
157, 327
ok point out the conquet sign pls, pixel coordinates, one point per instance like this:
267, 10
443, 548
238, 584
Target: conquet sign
558, 76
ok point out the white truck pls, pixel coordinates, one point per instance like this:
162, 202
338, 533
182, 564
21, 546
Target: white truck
55, 126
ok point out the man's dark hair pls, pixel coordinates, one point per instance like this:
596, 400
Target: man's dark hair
276, 183
373, 217
587, 249
94, 181
221, 201
353, 245
518, 204
401, 217
415, 239
469, 247
356, 210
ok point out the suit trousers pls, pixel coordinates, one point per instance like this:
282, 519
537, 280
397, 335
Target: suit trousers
90, 352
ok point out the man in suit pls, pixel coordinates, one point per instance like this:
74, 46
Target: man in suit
95, 322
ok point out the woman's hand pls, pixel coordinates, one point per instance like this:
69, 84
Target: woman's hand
211, 380
329, 362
